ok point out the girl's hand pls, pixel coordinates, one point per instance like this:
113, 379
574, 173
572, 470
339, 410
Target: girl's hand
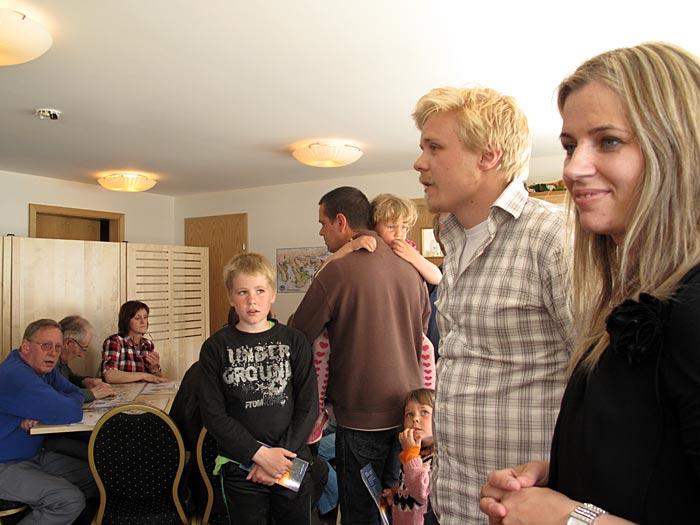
410, 437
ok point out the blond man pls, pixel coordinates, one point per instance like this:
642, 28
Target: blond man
502, 310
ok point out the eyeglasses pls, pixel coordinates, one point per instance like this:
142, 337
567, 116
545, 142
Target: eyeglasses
83, 348
47, 347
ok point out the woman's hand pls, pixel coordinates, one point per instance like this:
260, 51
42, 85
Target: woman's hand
534, 506
152, 360
500, 482
151, 378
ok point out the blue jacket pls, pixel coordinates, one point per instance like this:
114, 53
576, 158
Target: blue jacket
24, 394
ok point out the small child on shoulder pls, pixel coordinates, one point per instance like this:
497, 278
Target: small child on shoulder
410, 501
393, 217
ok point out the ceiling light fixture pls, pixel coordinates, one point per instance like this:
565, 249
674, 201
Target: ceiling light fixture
327, 155
21, 38
126, 181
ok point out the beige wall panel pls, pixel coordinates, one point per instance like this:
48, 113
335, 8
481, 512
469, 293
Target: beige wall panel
174, 282
55, 278
5, 292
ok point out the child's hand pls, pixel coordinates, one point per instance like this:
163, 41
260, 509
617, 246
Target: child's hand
364, 242
388, 496
274, 461
410, 438
403, 249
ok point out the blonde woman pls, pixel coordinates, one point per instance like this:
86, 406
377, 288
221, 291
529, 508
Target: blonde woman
626, 447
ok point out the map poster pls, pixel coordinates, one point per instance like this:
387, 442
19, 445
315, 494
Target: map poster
296, 267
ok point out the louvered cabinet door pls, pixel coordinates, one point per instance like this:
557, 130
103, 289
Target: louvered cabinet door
174, 282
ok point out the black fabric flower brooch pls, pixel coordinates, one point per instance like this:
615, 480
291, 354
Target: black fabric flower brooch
636, 328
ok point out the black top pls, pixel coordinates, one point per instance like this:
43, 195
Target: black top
628, 435
258, 387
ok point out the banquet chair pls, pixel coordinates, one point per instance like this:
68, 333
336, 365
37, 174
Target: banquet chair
213, 512
10, 508
136, 455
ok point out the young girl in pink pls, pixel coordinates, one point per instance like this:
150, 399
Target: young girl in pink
410, 502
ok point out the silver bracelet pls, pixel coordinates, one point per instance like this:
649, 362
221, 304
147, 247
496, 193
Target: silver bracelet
585, 514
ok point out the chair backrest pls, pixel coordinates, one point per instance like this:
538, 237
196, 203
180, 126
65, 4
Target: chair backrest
10, 508
206, 456
137, 456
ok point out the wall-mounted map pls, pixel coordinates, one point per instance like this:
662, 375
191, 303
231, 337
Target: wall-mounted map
296, 267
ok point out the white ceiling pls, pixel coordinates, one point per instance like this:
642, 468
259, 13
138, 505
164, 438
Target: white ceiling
210, 95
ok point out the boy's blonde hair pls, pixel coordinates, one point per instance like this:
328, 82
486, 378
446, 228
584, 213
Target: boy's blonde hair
389, 208
421, 396
249, 264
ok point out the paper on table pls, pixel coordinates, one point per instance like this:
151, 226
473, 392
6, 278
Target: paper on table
170, 387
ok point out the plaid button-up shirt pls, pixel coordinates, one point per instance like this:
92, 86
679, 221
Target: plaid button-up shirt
505, 343
120, 353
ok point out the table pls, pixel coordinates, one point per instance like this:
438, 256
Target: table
160, 395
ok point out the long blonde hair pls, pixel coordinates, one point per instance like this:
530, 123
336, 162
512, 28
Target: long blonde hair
659, 86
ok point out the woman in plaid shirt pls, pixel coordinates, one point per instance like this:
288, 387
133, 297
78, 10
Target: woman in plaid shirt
128, 356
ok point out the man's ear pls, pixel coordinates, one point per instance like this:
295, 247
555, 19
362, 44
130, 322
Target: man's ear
24, 347
490, 159
341, 221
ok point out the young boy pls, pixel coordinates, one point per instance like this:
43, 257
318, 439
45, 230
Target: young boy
258, 387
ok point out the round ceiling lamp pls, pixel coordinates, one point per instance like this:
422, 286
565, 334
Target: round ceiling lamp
327, 155
21, 38
126, 181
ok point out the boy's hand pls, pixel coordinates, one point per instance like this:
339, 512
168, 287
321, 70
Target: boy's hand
274, 461
410, 438
258, 475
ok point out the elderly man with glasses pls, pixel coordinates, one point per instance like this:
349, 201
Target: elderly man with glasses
77, 336
32, 390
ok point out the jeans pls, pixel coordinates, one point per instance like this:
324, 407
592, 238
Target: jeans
354, 449
251, 503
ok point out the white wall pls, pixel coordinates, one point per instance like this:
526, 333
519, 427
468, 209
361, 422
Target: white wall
148, 217
286, 216
283, 216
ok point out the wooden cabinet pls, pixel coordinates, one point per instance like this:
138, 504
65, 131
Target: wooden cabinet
47, 278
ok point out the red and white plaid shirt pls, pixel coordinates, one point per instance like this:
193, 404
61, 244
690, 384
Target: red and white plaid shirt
120, 353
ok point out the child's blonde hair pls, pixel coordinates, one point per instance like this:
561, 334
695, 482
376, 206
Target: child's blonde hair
248, 264
389, 208
422, 396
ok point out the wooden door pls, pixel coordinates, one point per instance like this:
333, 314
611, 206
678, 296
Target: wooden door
225, 236
55, 222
